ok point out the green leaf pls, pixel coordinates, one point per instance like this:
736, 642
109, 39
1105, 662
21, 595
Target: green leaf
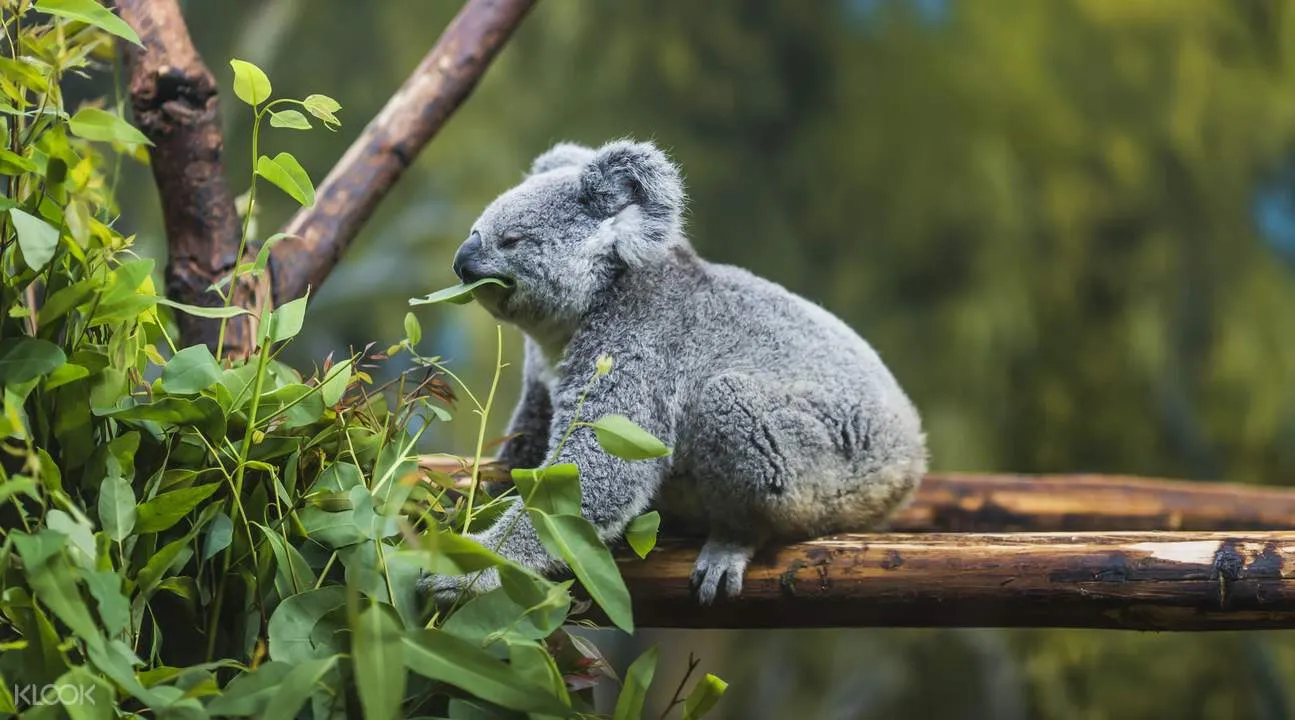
441, 656
286, 320
286, 173
703, 697
293, 574
449, 553
575, 540
304, 626
413, 330
324, 108
114, 610
90, 12
255, 268
12, 163
37, 238
168, 410
250, 692
214, 313
629, 706
52, 579
117, 507
65, 374
642, 531
554, 489
460, 294
496, 613
291, 119
190, 371
620, 436
378, 651
250, 83
87, 695
102, 126
28, 358
166, 509
296, 689
158, 563
335, 382
219, 535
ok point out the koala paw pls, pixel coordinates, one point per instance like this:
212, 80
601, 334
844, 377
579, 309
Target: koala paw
720, 561
447, 589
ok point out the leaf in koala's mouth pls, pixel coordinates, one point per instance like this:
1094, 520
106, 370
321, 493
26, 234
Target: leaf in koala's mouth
460, 294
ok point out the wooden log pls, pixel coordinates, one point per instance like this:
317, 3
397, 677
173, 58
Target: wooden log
964, 502
1143, 581
1043, 503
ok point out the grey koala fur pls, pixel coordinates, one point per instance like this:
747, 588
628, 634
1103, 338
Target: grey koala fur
784, 423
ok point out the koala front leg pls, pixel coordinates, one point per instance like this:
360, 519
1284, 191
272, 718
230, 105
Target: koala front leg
612, 491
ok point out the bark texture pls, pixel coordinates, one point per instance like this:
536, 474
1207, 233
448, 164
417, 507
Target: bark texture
175, 103
1139, 581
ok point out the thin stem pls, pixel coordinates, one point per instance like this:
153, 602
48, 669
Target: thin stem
247, 220
693, 662
481, 427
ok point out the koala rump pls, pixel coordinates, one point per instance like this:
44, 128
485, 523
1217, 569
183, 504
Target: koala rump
784, 423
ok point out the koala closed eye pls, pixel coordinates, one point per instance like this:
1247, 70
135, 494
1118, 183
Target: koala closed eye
511, 238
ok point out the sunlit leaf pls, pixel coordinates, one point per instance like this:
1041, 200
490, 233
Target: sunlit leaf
620, 436
703, 697
97, 124
36, 238
250, 83
459, 294
291, 119
286, 173
92, 12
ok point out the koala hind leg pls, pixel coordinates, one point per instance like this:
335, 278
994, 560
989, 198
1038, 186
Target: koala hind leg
747, 445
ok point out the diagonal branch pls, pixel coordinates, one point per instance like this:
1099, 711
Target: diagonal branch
389, 144
174, 98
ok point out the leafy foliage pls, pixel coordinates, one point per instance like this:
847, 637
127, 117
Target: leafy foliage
191, 535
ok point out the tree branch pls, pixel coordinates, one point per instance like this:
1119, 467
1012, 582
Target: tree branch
964, 502
175, 103
389, 144
1142, 581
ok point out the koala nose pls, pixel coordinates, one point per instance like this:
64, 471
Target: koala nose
463, 258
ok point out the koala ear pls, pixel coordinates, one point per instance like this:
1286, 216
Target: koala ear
625, 173
564, 154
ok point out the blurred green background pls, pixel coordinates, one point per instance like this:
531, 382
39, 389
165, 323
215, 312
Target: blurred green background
1068, 226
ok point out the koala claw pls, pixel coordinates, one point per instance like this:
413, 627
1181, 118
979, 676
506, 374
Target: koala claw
446, 589
718, 561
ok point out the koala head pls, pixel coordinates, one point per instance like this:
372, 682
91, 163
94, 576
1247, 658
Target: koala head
579, 220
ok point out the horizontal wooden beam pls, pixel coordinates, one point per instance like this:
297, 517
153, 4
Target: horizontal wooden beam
1142, 581
963, 502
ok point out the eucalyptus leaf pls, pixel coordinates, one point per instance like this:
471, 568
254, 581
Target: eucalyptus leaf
91, 12
305, 625
574, 539
285, 173
117, 507
290, 119
27, 358
641, 533
622, 437
629, 705
96, 124
703, 697
460, 294
166, 509
296, 688
378, 651
441, 656
213, 313
190, 371
36, 238
286, 320
250, 83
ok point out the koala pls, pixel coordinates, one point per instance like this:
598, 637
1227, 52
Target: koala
784, 423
